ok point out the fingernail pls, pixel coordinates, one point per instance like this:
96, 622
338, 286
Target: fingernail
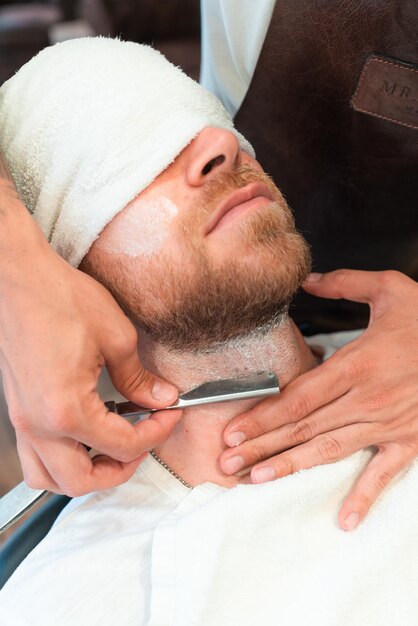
314, 277
263, 474
235, 439
233, 464
351, 521
164, 392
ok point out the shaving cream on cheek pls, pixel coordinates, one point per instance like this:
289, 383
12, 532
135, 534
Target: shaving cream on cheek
141, 229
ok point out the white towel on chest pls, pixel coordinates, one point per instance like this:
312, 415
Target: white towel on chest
273, 554
154, 553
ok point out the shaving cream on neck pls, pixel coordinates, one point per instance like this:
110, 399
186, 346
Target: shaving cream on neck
275, 347
141, 229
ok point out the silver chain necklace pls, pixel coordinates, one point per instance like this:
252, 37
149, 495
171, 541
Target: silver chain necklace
168, 468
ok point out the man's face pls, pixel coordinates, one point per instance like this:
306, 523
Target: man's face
207, 252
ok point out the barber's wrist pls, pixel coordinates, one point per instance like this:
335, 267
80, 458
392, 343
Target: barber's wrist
12, 209
18, 231
21, 239
13, 212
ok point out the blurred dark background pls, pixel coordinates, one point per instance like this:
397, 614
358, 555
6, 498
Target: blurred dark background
171, 26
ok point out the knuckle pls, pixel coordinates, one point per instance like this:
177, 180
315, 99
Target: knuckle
302, 432
127, 453
74, 492
298, 407
124, 338
382, 479
340, 277
35, 481
129, 334
139, 378
391, 277
342, 274
285, 466
129, 338
61, 420
329, 448
359, 369
20, 422
410, 449
257, 452
378, 399
364, 502
256, 427
72, 489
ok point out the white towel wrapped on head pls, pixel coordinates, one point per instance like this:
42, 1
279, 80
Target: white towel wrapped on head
89, 123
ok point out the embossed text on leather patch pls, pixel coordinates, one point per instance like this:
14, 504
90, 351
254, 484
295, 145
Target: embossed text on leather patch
388, 89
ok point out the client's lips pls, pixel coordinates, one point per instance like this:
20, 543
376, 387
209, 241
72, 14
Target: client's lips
238, 198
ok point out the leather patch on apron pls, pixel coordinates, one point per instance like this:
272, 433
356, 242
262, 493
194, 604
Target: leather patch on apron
388, 89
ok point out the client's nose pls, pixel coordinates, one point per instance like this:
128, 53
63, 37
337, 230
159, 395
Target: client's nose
214, 150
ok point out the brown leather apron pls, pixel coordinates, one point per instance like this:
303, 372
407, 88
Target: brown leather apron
337, 127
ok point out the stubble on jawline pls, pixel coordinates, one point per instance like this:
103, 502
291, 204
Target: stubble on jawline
187, 303
202, 305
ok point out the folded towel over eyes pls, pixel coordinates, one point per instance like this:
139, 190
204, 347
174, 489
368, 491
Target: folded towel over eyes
89, 123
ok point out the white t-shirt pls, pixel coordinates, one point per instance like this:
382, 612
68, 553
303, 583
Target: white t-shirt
233, 33
153, 552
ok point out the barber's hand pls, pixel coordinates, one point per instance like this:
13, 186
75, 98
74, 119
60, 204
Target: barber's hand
365, 394
58, 328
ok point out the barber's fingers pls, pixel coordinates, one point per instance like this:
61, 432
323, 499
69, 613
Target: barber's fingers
380, 290
355, 285
108, 432
129, 376
304, 395
331, 417
323, 449
61, 464
35, 473
390, 459
75, 473
116, 437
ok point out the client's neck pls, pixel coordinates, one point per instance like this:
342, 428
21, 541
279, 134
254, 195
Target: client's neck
196, 443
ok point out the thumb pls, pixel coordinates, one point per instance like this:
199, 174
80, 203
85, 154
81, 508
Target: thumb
137, 384
354, 285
